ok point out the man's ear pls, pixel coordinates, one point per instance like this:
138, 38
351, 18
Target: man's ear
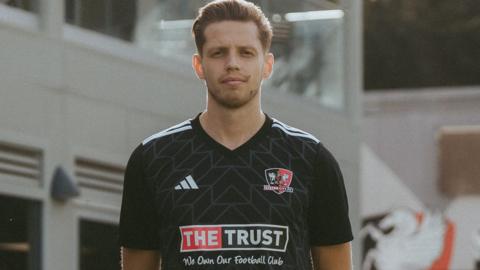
197, 66
268, 66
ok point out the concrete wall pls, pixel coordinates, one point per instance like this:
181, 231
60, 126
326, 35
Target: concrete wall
401, 127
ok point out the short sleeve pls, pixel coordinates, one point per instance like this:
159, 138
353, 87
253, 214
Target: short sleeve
138, 227
328, 219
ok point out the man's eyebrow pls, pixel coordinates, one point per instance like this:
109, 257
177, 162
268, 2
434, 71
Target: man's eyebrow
223, 48
217, 48
247, 47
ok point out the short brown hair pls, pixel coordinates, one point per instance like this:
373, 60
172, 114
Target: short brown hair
231, 10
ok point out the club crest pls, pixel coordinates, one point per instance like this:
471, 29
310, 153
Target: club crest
278, 180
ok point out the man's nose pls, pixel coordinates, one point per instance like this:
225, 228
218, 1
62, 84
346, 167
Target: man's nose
232, 63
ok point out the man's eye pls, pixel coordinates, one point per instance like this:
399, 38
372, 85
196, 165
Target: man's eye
216, 54
247, 53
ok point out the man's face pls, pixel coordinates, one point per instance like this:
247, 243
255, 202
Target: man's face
233, 63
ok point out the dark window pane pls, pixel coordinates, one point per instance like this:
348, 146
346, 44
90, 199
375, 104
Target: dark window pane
99, 248
123, 18
28, 5
93, 14
116, 18
70, 7
411, 44
19, 234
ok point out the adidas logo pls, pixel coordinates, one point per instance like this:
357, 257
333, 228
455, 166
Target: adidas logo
187, 183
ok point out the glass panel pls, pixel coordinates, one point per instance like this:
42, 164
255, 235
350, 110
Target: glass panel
111, 17
166, 26
413, 44
28, 5
99, 248
309, 62
19, 234
307, 43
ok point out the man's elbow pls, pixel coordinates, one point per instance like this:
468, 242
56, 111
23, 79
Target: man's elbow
139, 259
333, 257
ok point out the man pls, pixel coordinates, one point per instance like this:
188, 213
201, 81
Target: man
233, 188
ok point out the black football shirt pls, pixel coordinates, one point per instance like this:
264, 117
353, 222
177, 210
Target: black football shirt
260, 206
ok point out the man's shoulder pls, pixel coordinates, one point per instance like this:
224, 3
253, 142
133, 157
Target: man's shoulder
293, 133
182, 127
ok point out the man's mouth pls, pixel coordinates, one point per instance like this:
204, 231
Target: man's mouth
233, 80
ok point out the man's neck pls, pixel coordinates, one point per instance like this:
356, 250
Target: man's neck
232, 127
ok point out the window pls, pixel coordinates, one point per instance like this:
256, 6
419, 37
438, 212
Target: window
99, 248
111, 17
307, 43
19, 234
412, 44
28, 5
309, 61
308, 37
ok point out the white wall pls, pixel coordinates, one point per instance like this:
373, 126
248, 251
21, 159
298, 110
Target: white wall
401, 127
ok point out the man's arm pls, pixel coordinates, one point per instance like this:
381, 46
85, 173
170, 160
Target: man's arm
334, 257
139, 259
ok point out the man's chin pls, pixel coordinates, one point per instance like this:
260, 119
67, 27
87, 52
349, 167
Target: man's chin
232, 101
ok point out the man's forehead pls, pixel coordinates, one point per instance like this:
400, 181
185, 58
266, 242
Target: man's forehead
231, 25
228, 33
